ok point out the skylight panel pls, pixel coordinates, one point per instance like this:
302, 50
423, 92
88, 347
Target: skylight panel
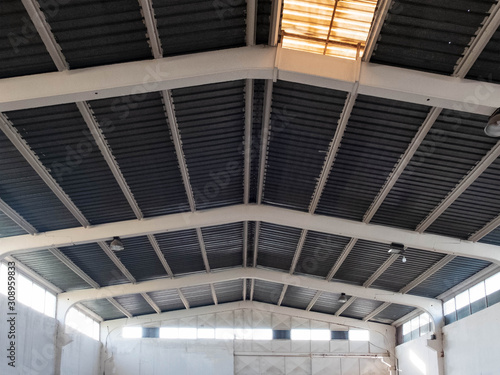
328, 27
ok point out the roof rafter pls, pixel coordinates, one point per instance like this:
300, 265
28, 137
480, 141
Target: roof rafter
16, 218
151, 303
34, 276
380, 16
110, 253
119, 307
73, 267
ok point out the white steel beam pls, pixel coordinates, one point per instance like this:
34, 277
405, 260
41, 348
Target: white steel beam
160, 255
407, 317
89, 312
252, 289
392, 258
251, 22
252, 62
477, 46
467, 181
43, 29
101, 142
344, 307
150, 22
183, 299
377, 311
73, 267
313, 301
275, 18
342, 257
25, 150
151, 303
298, 251
282, 295
488, 228
118, 263
239, 213
402, 163
251, 273
16, 218
214, 295
380, 16
119, 307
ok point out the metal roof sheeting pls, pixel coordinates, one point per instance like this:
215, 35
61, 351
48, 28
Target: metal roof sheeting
27, 194
363, 260
303, 123
52, 269
229, 291
135, 304
182, 251
61, 139
486, 66
458, 270
8, 227
263, 21
198, 295
475, 208
400, 274
224, 245
277, 245
137, 131
452, 147
298, 297
189, 26
492, 238
94, 262
167, 300
104, 309
140, 259
267, 292
211, 123
319, 253
429, 35
360, 308
93, 32
22, 51
327, 303
258, 108
377, 134
393, 312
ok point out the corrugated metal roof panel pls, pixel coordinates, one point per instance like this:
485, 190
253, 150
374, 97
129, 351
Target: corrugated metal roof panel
452, 147
211, 123
140, 259
363, 260
97, 32
277, 245
135, 304
95, 263
267, 292
27, 194
199, 25
327, 303
303, 123
486, 66
492, 238
429, 35
251, 242
400, 274
22, 52
298, 297
393, 312
377, 134
182, 251
52, 269
8, 227
198, 295
167, 300
458, 270
62, 141
229, 291
224, 245
136, 128
319, 253
475, 208
263, 21
258, 104
360, 308
104, 309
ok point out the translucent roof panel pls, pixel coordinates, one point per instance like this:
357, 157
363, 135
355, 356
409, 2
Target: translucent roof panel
328, 27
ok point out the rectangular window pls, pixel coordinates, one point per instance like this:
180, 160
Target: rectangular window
224, 334
321, 335
50, 305
449, 307
206, 333
169, 333
132, 332
301, 334
406, 328
477, 292
24, 289
83, 324
262, 334
187, 333
493, 284
359, 335
3, 279
424, 324
462, 300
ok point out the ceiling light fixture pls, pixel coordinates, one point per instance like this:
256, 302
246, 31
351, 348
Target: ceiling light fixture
343, 298
398, 248
116, 244
492, 129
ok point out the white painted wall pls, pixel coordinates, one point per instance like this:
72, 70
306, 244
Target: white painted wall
472, 345
35, 341
416, 358
243, 357
81, 356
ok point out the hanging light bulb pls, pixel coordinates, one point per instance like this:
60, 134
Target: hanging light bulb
404, 259
343, 298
